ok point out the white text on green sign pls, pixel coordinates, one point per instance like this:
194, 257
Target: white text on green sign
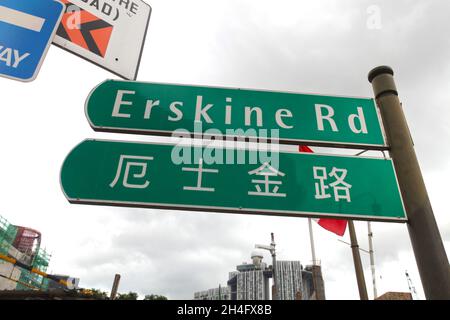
162, 109
229, 180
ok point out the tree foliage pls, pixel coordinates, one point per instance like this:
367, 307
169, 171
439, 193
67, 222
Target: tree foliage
95, 294
127, 296
154, 297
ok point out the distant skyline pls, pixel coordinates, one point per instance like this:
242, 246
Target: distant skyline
325, 47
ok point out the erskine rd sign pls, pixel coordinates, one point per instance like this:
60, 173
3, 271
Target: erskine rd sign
161, 109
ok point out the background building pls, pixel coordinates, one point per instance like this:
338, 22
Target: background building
289, 278
24, 245
221, 293
71, 283
249, 285
395, 296
317, 288
250, 281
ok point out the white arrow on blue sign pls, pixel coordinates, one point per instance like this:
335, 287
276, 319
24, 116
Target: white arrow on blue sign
27, 29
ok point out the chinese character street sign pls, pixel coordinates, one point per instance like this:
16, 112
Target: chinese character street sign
196, 178
109, 33
26, 32
160, 109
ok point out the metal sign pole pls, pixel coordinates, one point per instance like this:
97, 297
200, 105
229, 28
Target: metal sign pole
426, 240
276, 293
372, 260
357, 261
311, 238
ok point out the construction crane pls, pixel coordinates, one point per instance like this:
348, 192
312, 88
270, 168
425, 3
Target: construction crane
412, 289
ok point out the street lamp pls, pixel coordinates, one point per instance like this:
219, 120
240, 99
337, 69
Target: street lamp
271, 249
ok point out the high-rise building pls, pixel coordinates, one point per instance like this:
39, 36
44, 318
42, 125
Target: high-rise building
289, 280
250, 281
250, 285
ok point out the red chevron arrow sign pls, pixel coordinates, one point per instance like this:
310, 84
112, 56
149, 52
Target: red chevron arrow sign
108, 33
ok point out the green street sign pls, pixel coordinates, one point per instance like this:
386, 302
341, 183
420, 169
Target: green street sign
162, 109
231, 180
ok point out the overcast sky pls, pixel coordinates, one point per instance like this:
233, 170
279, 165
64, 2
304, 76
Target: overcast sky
302, 46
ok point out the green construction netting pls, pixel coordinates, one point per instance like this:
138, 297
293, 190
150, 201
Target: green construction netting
40, 260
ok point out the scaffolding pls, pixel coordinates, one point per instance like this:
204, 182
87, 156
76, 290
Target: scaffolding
27, 242
41, 259
8, 234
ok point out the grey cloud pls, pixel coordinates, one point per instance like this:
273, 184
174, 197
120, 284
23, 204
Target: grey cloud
335, 59
170, 253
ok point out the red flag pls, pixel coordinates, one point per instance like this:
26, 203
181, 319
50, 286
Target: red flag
305, 149
336, 226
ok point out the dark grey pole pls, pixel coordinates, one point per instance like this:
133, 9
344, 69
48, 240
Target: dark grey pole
357, 261
275, 295
372, 260
115, 287
426, 240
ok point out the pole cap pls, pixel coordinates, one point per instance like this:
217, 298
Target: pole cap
379, 71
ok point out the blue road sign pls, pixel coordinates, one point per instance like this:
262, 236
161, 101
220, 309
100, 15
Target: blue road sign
27, 28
